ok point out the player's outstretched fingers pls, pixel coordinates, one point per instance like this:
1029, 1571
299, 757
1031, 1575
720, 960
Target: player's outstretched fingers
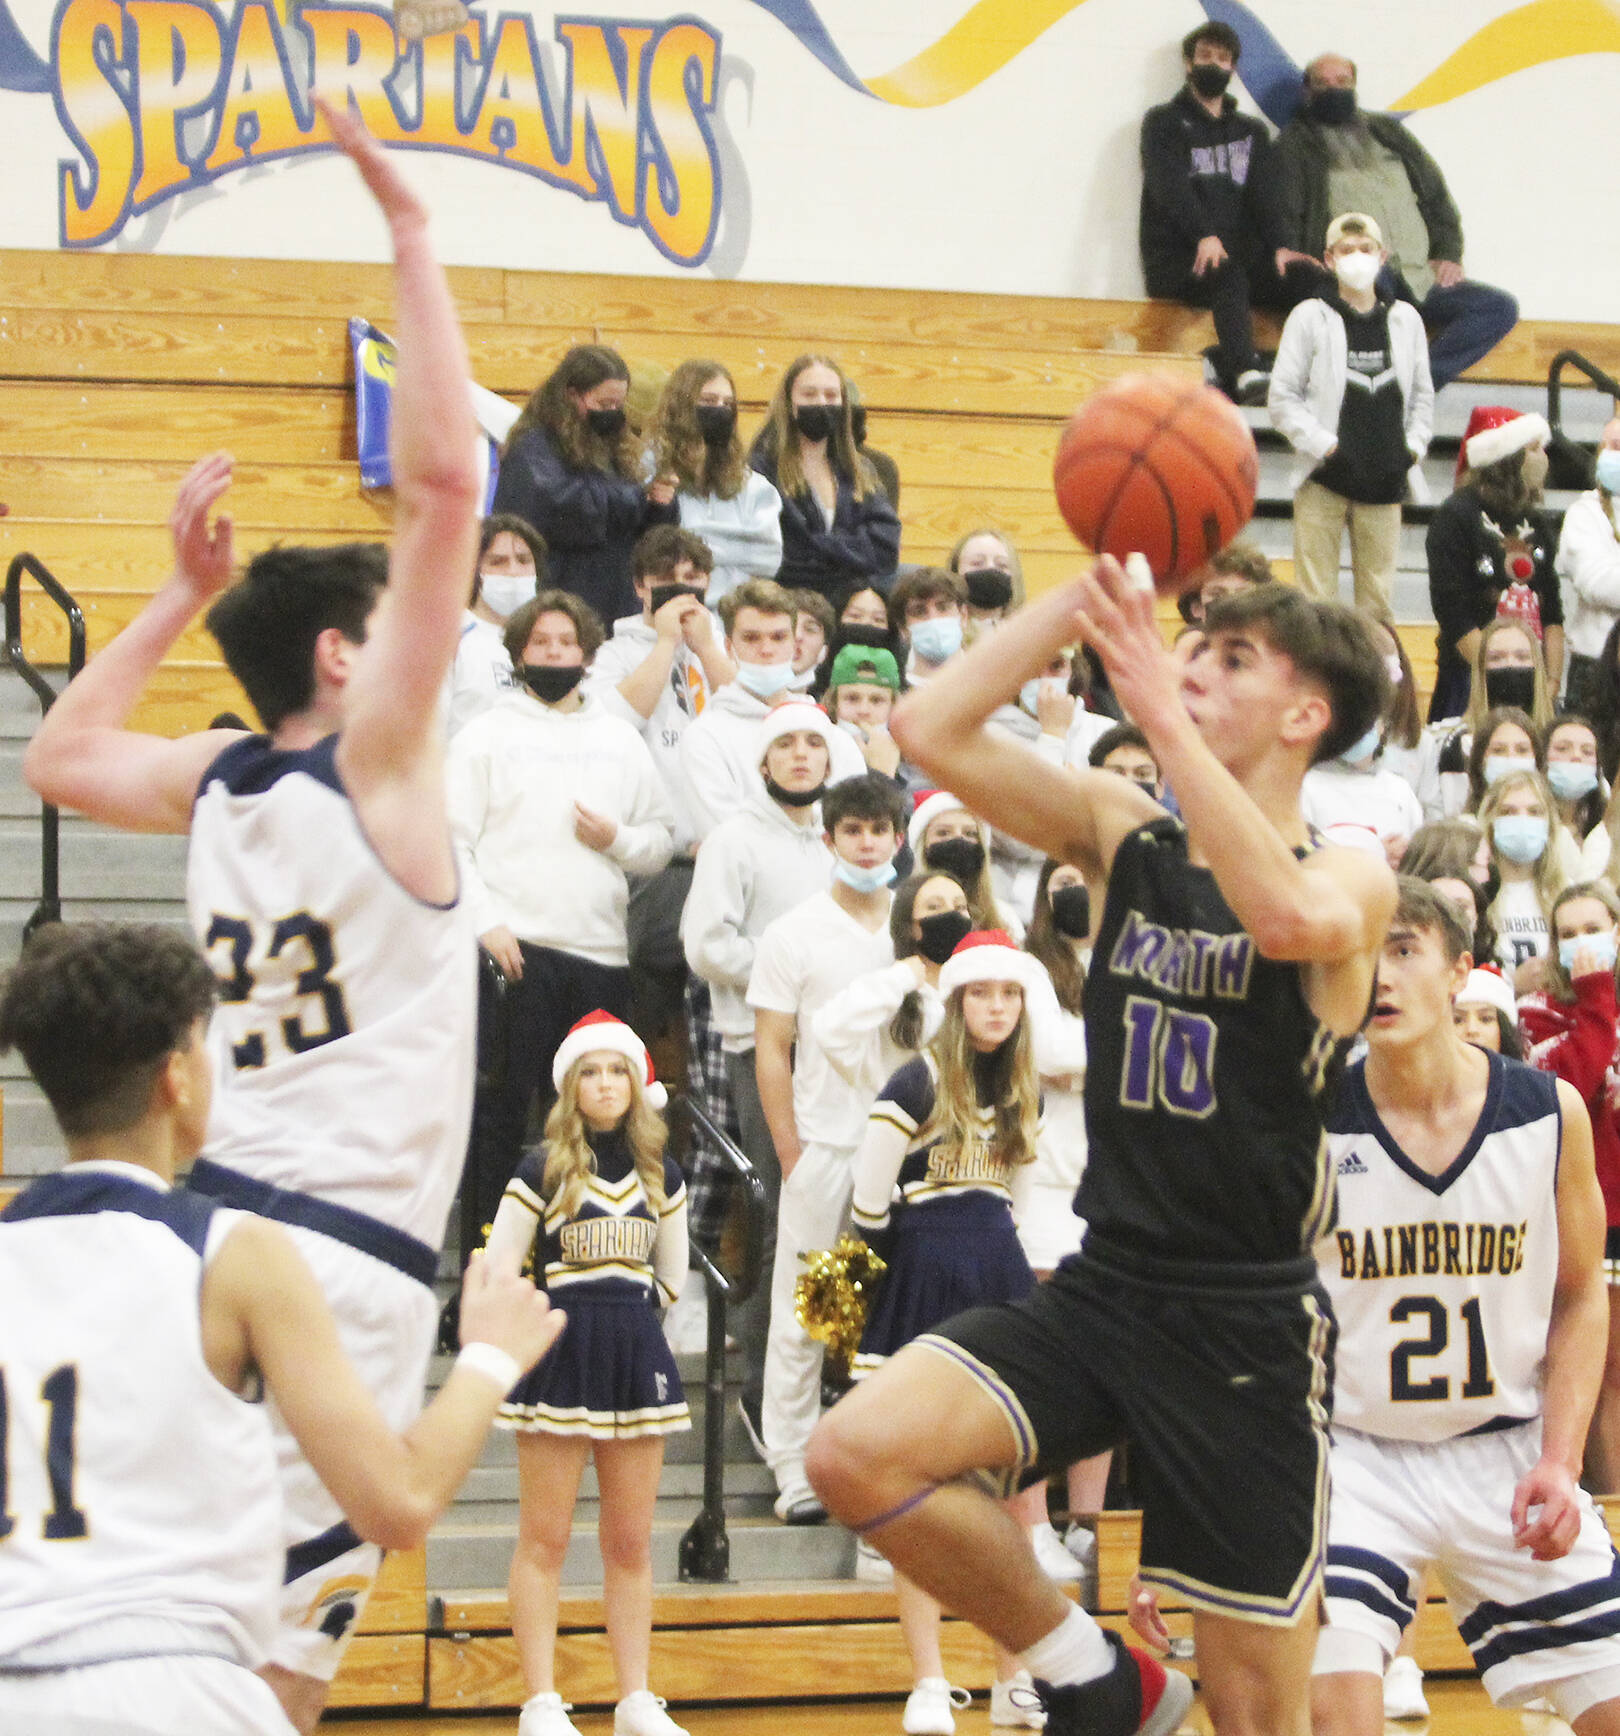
388, 187
204, 557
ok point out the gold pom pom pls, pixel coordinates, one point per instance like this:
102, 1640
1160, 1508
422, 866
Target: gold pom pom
834, 1293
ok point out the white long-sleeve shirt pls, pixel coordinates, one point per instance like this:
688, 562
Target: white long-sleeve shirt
514, 775
481, 673
1589, 566
751, 869
744, 533
853, 1027
719, 755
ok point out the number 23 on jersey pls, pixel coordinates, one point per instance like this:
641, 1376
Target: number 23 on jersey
292, 963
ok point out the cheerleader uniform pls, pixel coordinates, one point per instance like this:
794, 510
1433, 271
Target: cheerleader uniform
940, 1215
609, 1263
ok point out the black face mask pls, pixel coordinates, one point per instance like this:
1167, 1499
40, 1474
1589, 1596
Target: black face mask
1333, 107
793, 798
860, 633
658, 595
1071, 911
942, 933
1510, 687
549, 683
717, 423
609, 424
1209, 80
961, 858
817, 421
988, 588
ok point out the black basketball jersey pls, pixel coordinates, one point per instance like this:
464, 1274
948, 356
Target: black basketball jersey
1209, 1076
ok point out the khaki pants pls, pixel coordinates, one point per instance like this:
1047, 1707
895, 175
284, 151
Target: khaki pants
1375, 543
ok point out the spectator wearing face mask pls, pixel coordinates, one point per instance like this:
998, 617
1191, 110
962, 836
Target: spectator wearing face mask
721, 498
717, 750
554, 805
1521, 820
1335, 156
1210, 229
837, 523
946, 838
928, 612
988, 564
1124, 751
574, 468
1491, 551
1351, 392
511, 568
1410, 751
1570, 761
1507, 674
1356, 791
1589, 565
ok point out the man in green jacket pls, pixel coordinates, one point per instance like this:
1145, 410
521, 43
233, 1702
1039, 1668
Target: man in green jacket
1334, 156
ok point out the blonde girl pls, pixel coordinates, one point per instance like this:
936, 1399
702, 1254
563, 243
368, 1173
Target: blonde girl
1521, 820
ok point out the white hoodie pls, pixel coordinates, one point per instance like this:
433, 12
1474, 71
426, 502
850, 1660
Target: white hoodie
719, 755
751, 869
513, 776
744, 533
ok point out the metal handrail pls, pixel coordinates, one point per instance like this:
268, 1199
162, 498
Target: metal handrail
49, 908
705, 1552
1564, 450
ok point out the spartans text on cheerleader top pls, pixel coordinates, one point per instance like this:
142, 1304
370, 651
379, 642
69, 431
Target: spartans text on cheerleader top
902, 1156
1443, 1284
613, 1238
142, 1511
1205, 1094
343, 1036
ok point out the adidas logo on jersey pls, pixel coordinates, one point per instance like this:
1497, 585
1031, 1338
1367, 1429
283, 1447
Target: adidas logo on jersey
1350, 1164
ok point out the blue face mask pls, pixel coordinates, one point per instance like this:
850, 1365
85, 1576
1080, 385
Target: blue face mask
764, 680
937, 639
1601, 946
1608, 470
1365, 747
1570, 782
863, 879
1522, 838
1498, 765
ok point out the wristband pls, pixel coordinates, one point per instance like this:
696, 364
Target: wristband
493, 1363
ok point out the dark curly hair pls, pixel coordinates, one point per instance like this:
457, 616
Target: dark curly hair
96, 1009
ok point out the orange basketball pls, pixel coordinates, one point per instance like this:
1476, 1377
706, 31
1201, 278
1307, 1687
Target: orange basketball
1157, 466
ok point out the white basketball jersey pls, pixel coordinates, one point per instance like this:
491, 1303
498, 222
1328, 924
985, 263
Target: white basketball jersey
1443, 1285
139, 1501
343, 1042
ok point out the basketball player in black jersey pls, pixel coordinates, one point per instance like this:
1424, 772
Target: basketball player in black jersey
1233, 964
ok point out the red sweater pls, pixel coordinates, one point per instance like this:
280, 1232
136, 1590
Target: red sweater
1577, 1040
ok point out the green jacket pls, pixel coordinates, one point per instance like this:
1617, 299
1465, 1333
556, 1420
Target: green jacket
1299, 164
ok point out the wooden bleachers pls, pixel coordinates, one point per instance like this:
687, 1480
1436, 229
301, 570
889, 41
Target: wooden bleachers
116, 370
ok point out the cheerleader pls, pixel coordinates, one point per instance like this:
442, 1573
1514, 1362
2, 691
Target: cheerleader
951, 1138
604, 1210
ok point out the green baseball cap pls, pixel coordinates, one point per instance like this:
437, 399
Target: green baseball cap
870, 665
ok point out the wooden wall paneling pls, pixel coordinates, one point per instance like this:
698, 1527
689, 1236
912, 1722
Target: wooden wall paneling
398, 1602
382, 1670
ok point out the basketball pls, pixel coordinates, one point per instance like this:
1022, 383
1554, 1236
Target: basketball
1157, 466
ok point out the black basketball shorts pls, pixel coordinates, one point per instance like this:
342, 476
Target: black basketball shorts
1223, 1392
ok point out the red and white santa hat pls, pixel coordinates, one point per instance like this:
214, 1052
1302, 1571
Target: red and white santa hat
987, 955
790, 717
1487, 984
931, 804
1495, 432
600, 1030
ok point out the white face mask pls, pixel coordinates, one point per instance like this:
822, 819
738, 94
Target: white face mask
504, 594
1356, 270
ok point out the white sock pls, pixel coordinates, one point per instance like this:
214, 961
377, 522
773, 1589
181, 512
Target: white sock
1073, 1652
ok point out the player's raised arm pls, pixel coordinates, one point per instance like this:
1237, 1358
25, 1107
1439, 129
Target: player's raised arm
1077, 816
391, 753
1331, 908
82, 756
1546, 1518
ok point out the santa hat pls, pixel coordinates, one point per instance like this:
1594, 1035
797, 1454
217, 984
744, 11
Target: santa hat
600, 1030
988, 956
1486, 983
932, 804
1495, 432
786, 719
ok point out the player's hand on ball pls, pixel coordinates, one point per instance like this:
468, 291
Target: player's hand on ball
204, 555
508, 1311
1145, 1617
1546, 1511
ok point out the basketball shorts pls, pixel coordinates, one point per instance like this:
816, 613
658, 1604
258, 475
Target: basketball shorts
158, 1696
387, 1324
1223, 1392
1402, 1507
